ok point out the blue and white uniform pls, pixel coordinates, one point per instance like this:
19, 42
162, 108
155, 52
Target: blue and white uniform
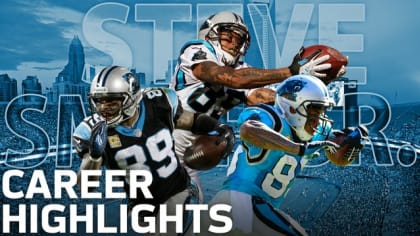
258, 179
270, 171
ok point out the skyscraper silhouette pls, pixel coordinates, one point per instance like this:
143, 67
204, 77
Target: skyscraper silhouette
8, 88
69, 80
31, 85
261, 19
73, 71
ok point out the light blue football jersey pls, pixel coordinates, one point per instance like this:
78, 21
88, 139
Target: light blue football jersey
265, 173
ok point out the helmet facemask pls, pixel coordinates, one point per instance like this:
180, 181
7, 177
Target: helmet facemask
317, 122
215, 34
227, 22
121, 92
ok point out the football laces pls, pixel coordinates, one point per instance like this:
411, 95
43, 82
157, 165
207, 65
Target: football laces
352, 153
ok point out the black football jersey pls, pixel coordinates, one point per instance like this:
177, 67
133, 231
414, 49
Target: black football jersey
149, 145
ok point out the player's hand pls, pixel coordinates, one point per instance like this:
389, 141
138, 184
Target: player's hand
309, 148
226, 135
355, 136
355, 141
311, 65
98, 137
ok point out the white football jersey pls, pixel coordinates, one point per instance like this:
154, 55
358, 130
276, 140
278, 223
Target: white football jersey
196, 95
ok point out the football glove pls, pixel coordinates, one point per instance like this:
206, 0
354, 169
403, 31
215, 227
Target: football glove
309, 148
226, 134
98, 137
355, 140
355, 136
310, 65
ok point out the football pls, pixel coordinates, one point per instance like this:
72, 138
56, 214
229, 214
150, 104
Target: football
204, 153
345, 154
337, 60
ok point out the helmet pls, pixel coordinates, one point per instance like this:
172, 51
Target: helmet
119, 83
225, 21
297, 94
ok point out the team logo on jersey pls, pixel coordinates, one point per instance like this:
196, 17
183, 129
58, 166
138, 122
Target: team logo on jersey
114, 141
200, 55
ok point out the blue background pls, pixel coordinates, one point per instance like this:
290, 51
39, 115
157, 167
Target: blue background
376, 196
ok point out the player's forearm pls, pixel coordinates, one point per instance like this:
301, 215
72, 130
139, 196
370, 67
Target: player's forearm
262, 136
255, 77
241, 78
88, 163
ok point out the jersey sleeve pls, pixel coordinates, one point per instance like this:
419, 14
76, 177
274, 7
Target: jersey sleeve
172, 99
192, 53
196, 52
256, 113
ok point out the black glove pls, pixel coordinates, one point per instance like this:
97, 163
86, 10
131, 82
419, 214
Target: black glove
355, 139
310, 65
98, 137
226, 134
309, 148
355, 136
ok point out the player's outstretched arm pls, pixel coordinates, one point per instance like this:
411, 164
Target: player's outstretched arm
244, 78
259, 134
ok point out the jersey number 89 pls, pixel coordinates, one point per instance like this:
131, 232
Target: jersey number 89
277, 182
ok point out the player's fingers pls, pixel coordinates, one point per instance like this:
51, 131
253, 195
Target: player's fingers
322, 67
321, 59
319, 75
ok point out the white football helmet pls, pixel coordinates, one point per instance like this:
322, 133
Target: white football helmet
116, 82
300, 92
225, 21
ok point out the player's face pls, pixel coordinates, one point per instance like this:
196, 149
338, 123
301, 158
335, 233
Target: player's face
313, 118
231, 42
109, 108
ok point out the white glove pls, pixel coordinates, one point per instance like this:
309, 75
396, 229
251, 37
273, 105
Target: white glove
310, 65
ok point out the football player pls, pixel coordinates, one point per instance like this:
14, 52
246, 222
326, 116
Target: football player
211, 78
277, 142
132, 129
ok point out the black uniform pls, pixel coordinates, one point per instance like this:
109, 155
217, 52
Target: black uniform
149, 145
